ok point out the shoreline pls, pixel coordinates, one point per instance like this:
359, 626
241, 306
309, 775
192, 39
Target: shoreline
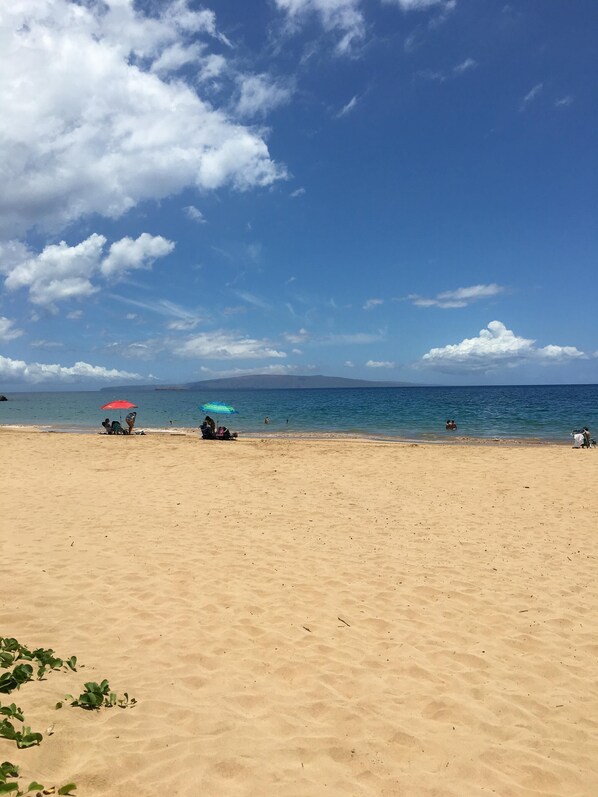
448, 440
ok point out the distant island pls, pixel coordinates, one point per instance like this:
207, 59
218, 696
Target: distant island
267, 382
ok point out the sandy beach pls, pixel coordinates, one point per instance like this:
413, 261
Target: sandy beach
301, 618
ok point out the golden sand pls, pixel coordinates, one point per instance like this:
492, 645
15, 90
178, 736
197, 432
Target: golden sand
305, 618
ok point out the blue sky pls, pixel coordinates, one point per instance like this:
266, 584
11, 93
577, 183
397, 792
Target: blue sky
380, 189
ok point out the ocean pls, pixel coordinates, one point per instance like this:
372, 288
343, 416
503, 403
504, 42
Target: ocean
541, 412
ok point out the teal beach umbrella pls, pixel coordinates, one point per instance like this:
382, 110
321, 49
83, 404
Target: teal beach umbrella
218, 408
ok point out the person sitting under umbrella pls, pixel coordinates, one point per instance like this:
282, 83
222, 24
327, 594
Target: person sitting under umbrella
107, 424
130, 419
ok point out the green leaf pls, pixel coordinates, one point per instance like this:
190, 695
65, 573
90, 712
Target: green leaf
35, 786
70, 787
8, 682
72, 663
6, 788
28, 739
8, 770
6, 659
58, 705
7, 730
22, 673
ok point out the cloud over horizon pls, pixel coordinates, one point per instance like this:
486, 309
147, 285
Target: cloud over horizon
496, 346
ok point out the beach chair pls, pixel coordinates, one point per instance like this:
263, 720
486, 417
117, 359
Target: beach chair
117, 428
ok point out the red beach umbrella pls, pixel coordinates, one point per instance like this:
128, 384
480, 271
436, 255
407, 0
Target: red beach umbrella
119, 405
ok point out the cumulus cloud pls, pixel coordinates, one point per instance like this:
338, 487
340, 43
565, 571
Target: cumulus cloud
33, 373
342, 17
225, 345
61, 272
460, 297
496, 346
88, 127
379, 364
128, 254
7, 330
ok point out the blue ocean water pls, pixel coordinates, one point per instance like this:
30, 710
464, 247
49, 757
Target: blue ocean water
544, 412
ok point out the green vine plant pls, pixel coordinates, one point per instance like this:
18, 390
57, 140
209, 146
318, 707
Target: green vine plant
96, 696
15, 655
9, 784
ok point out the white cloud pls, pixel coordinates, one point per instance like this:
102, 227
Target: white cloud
58, 273
212, 67
7, 330
460, 297
195, 214
34, 373
128, 254
61, 272
530, 96
422, 5
294, 194
494, 347
267, 369
176, 56
75, 315
355, 337
350, 106
297, 337
47, 344
379, 364
349, 364
465, 66
563, 102
371, 303
259, 94
225, 345
87, 127
342, 17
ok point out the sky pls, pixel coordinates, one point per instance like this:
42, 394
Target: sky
397, 190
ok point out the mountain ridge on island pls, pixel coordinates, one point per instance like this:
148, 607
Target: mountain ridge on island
268, 382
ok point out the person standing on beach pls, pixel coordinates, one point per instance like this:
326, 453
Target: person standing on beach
130, 419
